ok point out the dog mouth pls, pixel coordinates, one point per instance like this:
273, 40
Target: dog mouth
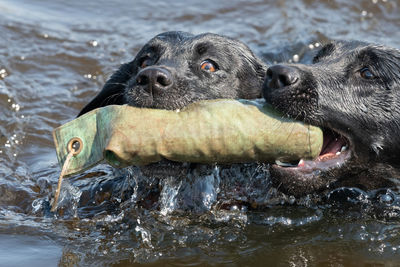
335, 152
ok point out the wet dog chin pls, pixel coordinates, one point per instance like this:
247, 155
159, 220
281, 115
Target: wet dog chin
166, 168
138, 99
144, 100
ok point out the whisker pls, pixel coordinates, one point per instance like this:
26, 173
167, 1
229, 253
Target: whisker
116, 83
108, 99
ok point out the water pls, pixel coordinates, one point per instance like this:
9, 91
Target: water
55, 55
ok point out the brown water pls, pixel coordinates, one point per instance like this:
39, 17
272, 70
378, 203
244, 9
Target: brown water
55, 55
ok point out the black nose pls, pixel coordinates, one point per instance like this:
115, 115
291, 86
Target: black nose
280, 76
155, 80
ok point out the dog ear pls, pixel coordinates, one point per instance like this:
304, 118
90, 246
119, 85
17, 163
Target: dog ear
114, 89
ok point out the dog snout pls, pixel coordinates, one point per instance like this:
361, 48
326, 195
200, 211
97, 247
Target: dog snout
154, 80
280, 76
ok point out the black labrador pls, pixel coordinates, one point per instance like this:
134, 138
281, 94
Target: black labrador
351, 91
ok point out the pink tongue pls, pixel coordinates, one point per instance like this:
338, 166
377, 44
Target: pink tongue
332, 144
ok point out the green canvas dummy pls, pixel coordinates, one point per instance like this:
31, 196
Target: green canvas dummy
213, 131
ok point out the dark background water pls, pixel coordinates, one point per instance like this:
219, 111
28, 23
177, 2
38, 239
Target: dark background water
55, 55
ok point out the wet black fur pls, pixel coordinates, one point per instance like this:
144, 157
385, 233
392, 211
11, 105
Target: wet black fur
331, 93
239, 75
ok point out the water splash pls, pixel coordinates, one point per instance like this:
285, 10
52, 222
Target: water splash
168, 195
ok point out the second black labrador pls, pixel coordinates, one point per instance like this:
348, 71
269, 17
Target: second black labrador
351, 91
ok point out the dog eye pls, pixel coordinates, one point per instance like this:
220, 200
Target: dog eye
208, 65
144, 62
366, 74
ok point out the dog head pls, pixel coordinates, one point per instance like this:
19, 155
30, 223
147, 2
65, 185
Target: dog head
351, 91
176, 68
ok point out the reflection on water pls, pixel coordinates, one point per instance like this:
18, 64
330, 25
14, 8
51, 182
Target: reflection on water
19, 250
54, 56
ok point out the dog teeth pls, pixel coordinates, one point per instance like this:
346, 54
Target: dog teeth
338, 153
285, 164
301, 163
344, 148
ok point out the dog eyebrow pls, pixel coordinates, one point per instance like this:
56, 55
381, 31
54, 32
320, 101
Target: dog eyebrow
202, 48
155, 49
325, 51
367, 52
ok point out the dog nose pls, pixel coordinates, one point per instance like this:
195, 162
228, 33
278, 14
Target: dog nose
155, 80
280, 76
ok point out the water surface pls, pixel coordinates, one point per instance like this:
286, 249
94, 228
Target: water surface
54, 57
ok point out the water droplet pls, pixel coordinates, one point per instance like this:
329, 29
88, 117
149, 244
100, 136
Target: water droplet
94, 43
16, 107
3, 73
234, 208
386, 199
